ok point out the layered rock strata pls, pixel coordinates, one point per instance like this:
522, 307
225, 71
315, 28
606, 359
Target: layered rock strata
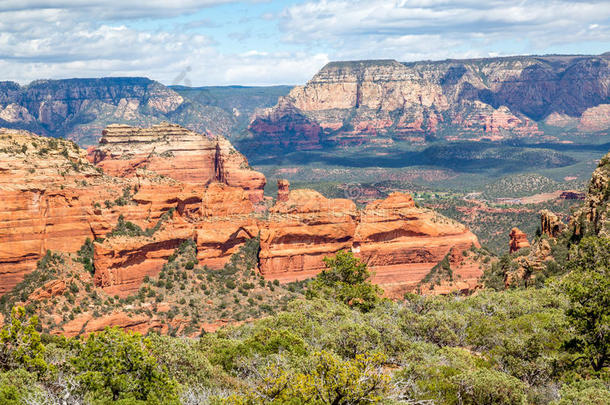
139, 205
398, 241
48, 191
173, 151
382, 101
401, 243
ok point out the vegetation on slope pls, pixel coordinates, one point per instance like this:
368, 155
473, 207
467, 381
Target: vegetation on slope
342, 344
184, 296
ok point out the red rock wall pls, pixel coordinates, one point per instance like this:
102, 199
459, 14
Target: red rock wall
173, 151
58, 211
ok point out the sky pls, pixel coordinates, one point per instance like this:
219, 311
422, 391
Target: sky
266, 42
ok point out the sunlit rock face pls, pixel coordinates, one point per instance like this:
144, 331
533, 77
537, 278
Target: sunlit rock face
381, 101
167, 185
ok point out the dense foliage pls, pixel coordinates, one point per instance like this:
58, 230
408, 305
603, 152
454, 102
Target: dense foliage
343, 344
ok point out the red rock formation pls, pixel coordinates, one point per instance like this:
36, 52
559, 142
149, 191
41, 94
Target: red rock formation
285, 125
48, 192
176, 152
550, 224
301, 231
399, 241
358, 102
49, 290
86, 323
283, 189
228, 221
121, 263
518, 240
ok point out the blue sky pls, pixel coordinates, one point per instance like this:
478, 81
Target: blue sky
258, 42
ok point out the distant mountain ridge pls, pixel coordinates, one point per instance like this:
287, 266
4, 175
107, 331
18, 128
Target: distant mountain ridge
382, 101
79, 109
374, 102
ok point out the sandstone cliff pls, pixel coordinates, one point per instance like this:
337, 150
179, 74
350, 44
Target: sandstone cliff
48, 191
369, 101
153, 189
593, 217
173, 151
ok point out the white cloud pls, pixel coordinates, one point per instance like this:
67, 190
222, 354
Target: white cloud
115, 9
92, 38
416, 28
64, 39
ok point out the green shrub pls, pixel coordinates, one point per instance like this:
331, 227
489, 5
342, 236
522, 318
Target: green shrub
485, 386
116, 365
346, 279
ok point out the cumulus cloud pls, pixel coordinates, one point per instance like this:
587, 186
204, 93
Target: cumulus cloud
115, 9
76, 38
416, 28
168, 40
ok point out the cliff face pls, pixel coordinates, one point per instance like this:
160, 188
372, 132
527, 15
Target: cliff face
153, 189
360, 102
48, 191
173, 151
79, 109
399, 241
594, 217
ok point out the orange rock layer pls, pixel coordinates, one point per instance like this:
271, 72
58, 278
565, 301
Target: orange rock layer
173, 151
66, 200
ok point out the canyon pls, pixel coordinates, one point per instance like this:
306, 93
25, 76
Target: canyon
143, 192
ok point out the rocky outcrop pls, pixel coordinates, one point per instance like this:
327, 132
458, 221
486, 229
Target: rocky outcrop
399, 241
173, 151
301, 231
140, 204
54, 199
593, 218
283, 190
528, 267
550, 224
518, 240
51, 289
48, 191
364, 102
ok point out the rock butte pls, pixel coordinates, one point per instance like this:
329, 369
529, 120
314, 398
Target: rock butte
518, 240
176, 152
146, 173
